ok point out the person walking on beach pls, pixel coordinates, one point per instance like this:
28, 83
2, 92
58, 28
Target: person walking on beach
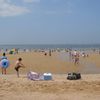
49, 52
76, 59
3, 68
18, 65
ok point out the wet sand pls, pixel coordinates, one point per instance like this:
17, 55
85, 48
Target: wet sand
58, 63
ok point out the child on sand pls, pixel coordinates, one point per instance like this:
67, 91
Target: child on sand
3, 68
4, 56
18, 65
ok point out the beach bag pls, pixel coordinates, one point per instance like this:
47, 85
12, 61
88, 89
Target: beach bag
74, 76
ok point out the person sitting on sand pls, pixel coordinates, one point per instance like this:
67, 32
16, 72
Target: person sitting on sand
18, 65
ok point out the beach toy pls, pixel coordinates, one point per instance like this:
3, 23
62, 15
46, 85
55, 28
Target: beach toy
47, 76
4, 63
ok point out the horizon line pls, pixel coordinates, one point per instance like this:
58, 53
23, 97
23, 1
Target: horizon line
56, 44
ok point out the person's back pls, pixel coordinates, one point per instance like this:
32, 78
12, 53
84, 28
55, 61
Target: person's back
3, 68
18, 63
4, 56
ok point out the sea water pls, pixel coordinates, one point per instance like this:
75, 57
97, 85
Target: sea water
50, 46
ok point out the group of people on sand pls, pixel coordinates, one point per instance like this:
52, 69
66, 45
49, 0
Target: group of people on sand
74, 56
18, 64
49, 53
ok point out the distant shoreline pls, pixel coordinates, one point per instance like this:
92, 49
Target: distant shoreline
46, 46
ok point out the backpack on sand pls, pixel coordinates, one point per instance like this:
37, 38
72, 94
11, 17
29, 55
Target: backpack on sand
74, 76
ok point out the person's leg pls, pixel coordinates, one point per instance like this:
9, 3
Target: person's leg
18, 73
78, 60
4, 70
17, 70
75, 61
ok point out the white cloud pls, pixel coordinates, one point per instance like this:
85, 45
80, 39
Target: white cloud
31, 1
9, 9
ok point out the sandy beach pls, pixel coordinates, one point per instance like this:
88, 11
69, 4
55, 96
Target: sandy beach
49, 49
87, 88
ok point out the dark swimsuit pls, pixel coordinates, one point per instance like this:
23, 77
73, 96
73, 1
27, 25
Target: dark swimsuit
17, 68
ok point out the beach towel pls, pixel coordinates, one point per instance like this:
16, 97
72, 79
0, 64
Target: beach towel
34, 76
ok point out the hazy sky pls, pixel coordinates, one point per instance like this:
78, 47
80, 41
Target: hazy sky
49, 21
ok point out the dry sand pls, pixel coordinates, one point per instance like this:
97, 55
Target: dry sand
13, 88
88, 88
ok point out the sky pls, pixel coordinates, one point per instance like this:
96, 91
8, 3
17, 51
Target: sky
49, 21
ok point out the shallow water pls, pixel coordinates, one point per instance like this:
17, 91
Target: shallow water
86, 68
